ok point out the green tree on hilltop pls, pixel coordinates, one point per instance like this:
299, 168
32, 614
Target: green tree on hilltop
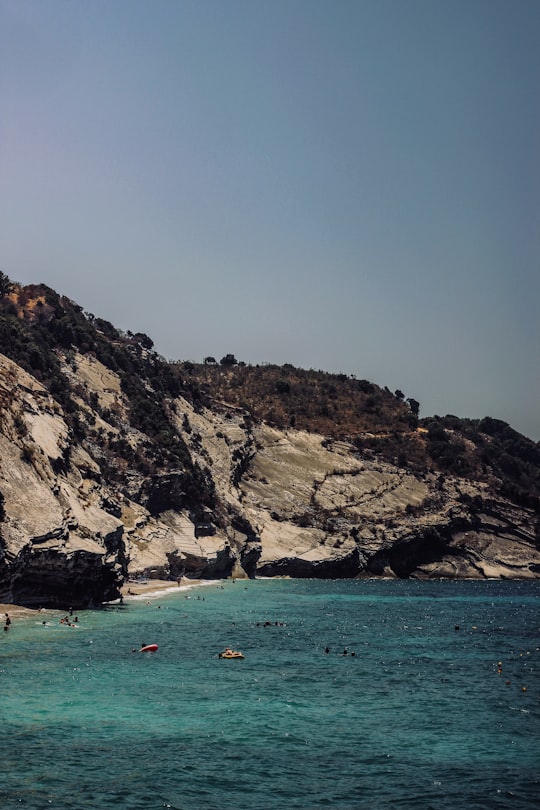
6, 285
414, 405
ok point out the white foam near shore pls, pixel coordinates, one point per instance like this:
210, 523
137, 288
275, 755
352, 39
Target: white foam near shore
148, 590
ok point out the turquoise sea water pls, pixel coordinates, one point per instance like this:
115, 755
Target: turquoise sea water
419, 717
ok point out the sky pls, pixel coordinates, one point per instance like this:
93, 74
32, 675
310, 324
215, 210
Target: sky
345, 185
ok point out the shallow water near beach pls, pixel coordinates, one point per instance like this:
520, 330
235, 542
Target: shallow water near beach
419, 717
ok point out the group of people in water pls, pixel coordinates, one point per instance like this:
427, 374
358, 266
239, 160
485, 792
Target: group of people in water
270, 624
65, 620
68, 620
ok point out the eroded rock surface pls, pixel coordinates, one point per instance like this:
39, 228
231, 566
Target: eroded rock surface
80, 514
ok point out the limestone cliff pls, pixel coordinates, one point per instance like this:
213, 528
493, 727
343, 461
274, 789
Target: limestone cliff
115, 464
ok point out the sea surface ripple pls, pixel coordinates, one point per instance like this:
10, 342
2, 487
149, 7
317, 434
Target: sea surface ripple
438, 707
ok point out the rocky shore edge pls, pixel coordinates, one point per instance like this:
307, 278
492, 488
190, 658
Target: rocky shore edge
131, 591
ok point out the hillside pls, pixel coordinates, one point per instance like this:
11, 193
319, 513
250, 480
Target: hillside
378, 422
115, 463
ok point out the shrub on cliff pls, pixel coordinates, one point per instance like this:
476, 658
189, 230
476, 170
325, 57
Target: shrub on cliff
6, 285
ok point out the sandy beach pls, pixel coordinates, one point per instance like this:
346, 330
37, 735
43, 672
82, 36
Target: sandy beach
153, 588
16, 611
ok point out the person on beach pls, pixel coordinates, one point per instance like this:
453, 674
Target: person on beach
7, 622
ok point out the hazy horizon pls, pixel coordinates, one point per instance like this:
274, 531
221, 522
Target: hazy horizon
352, 186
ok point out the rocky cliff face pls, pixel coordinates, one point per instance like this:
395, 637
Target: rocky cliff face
69, 536
104, 484
288, 503
58, 544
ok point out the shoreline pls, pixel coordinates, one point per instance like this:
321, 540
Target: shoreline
139, 590
158, 587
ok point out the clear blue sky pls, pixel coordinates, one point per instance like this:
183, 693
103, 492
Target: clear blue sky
347, 185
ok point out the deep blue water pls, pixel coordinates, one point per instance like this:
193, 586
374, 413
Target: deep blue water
419, 717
